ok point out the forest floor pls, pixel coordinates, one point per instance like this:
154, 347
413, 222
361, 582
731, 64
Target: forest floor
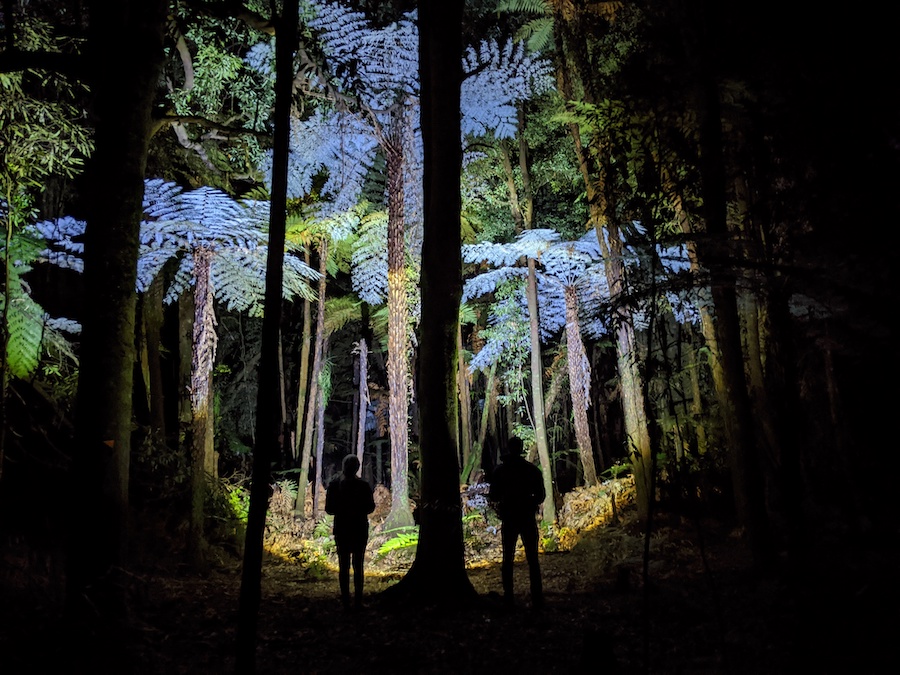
701, 608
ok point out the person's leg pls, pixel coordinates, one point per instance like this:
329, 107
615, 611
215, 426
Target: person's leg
359, 554
509, 533
344, 573
530, 543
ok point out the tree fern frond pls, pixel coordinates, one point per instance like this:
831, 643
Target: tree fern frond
501, 75
369, 275
489, 281
25, 327
340, 311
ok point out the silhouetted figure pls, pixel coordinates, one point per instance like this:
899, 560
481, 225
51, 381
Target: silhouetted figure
349, 499
517, 490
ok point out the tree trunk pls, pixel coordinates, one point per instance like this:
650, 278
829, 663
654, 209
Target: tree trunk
439, 572
303, 376
318, 355
123, 90
465, 402
363, 399
319, 489
202, 361
734, 399
537, 397
153, 321
269, 423
398, 365
579, 386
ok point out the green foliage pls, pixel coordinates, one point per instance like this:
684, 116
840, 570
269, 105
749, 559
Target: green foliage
618, 469
323, 526
405, 538
237, 498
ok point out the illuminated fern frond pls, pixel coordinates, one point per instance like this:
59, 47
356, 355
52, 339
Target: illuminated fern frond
370, 259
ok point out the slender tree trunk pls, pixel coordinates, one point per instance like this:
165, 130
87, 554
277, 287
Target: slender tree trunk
579, 385
490, 406
319, 489
523, 214
363, 399
153, 321
465, 402
398, 365
318, 356
269, 424
537, 397
303, 377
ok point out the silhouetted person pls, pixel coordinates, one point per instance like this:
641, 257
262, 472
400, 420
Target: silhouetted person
517, 490
349, 499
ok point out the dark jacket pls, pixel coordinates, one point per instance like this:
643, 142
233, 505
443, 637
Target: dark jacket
517, 488
349, 499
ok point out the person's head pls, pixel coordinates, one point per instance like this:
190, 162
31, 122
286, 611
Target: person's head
350, 465
514, 447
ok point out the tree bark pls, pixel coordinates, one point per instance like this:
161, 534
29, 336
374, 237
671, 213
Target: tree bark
123, 90
318, 355
202, 361
438, 573
398, 315
269, 424
579, 386
303, 376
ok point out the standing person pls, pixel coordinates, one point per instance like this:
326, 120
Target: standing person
349, 499
517, 489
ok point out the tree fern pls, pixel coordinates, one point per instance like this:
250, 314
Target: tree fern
178, 222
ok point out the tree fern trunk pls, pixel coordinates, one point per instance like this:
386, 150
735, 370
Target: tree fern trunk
398, 366
202, 361
579, 385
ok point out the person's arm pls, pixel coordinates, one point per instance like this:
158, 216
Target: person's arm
331, 499
539, 492
371, 499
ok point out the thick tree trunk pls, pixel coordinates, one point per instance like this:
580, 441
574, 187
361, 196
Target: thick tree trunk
269, 423
439, 573
123, 89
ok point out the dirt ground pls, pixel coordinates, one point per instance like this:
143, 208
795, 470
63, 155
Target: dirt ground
704, 609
